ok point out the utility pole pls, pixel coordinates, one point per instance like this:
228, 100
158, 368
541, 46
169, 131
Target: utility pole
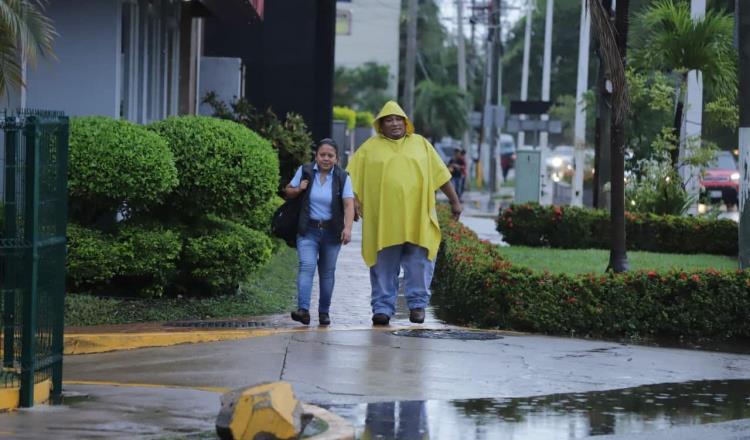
462, 65
411, 58
495, 90
546, 187
580, 119
742, 14
692, 116
525, 67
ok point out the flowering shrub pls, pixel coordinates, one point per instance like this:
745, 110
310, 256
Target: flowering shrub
583, 228
473, 284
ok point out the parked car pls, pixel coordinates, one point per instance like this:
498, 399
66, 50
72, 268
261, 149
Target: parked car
721, 180
507, 153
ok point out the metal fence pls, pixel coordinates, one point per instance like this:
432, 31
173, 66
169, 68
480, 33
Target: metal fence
33, 219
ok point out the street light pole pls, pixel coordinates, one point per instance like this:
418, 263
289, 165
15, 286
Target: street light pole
525, 67
584, 39
742, 13
545, 197
411, 58
461, 45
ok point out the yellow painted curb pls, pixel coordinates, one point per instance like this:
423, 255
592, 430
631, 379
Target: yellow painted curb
10, 398
338, 428
220, 390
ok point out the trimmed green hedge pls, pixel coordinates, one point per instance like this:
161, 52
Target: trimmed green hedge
139, 260
474, 285
224, 168
583, 228
223, 255
115, 164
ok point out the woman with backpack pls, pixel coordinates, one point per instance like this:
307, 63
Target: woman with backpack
325, 222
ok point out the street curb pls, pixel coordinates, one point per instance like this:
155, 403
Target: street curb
338, 428
92, 343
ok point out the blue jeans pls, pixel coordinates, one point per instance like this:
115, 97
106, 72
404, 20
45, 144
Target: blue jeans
318, 247
417, 278
458, 185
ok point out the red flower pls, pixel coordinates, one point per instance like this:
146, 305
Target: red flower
651, 274
572, 300
695, 278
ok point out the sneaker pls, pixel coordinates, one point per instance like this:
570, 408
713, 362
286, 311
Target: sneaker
301, 315
380, 319
324, 319
416, 316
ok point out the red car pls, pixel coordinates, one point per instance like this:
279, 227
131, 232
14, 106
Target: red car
721, 179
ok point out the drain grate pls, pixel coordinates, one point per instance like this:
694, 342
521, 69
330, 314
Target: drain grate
216, 324
464, 335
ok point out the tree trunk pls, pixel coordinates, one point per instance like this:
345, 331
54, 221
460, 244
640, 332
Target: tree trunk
674, 154
618, 258
411, 58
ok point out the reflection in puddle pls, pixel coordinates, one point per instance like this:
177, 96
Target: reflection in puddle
557, 416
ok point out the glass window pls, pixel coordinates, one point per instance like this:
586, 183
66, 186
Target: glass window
343, 22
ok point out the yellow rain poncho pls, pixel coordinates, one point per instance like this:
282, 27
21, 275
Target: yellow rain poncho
395, 182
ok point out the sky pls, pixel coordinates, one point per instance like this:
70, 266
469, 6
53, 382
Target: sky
513, 11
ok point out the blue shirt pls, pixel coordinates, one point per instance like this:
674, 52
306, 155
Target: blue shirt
321, 194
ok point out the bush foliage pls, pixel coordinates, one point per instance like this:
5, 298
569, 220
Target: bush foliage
474, 284
582, 228
116, 165
136, 231
224, 168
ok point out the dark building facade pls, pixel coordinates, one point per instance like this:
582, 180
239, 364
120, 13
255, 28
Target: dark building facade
288, 57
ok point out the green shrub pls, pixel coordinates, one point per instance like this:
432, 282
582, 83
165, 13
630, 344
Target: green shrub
291, 138
474, 285
223, 167
365, 119
345, 114
137, 261
582, 228
260, 217
92, 260
223, 255
147, 259
115, 164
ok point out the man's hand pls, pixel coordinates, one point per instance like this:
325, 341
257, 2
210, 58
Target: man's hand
303, 185
456, 209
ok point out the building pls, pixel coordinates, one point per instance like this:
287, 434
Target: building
368, 30
139, 60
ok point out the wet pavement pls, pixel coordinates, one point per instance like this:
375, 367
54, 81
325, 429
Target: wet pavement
625, 413
435, 387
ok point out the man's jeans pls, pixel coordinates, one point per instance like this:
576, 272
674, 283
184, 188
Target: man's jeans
417, 278
318, 247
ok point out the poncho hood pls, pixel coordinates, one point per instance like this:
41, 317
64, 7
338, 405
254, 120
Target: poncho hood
392, 108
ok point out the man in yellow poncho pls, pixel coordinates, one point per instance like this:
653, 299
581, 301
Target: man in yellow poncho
395, 175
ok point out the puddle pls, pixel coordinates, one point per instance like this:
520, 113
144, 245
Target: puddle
557, 416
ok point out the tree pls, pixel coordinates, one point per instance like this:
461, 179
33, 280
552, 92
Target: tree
440, 110
671, 41
364, 88
25, 33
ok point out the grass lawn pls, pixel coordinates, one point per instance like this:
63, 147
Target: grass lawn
573, 261
270, 290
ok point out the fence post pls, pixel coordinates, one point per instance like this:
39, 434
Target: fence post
31, 228
10, 234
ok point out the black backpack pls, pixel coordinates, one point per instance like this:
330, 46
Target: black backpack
286, 217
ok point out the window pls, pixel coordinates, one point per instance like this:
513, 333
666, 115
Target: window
343, 22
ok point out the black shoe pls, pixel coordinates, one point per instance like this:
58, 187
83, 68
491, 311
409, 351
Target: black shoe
324, 319
416, 316
380, 319
301, 315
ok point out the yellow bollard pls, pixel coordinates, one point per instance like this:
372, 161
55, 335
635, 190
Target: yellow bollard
265, 411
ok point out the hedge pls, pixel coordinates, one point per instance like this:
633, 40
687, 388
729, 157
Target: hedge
473, 284
345, 114
224, 168
115, 164
138, 260
224, 254
583, 228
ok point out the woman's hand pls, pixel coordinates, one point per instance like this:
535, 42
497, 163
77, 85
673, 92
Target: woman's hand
346, 235
303, 185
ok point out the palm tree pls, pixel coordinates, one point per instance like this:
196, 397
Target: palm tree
440, 110
671, 41
25, 33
